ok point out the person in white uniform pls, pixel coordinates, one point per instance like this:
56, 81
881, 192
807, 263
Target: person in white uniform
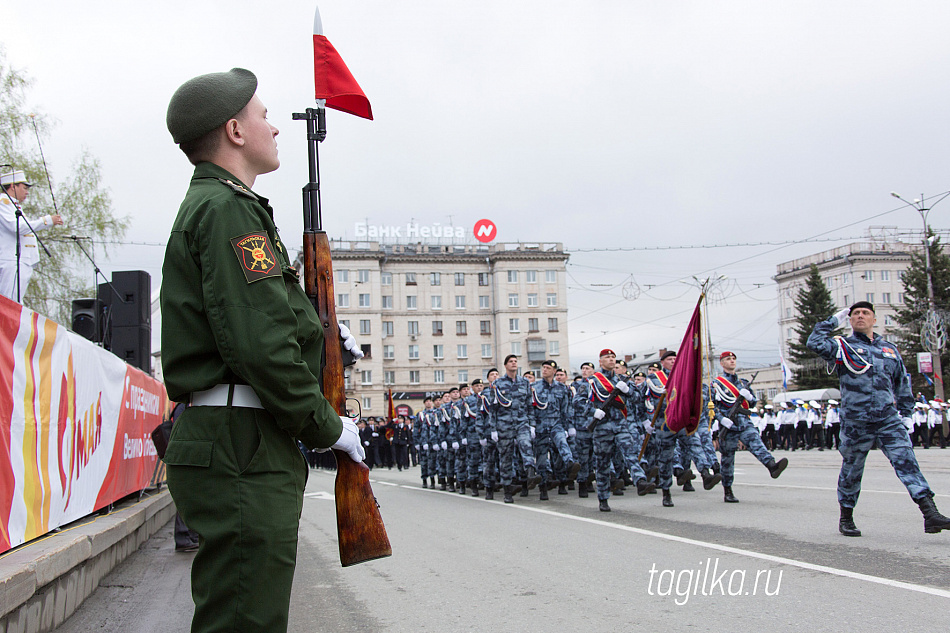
15, 190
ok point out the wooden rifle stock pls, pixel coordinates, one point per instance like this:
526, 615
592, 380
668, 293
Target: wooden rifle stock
613, 395
362, 535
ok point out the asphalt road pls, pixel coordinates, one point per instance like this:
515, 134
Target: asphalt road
773, 562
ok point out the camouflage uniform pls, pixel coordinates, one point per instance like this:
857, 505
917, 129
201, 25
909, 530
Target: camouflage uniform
742, 429
584, 439
610, 433
511, 407
550, 407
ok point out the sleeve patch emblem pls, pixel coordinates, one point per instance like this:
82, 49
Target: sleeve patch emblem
256, 255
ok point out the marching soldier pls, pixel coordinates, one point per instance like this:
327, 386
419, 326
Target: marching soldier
510, 411
486, 439
550, 402
584, 439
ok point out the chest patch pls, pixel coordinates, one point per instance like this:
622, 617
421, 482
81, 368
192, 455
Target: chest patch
889, 352
256, 255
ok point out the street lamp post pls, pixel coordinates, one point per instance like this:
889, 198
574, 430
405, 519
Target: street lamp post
933, 334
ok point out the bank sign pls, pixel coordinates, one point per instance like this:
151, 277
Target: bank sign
483, 231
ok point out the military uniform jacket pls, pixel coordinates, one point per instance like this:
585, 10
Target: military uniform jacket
874, 384
483, 421
511, 404
724, 399
550, 405
583, 409
233, 310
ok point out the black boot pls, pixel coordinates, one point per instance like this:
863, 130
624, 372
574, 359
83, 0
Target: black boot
532, 477
570, 485
524, 491
432, 482
684, 476
710, 479
645, 487
716, 467
727, 495
441, 483
490, 491
462, 483
667, 498
582, 490
424, 484
572, 469
933, 520
508, 493
616, 485
604, 507
473, 484
562, 488
619, 493
846, 523
653, 473
451, 484
776, 467
688, 487
516, 487
544, 493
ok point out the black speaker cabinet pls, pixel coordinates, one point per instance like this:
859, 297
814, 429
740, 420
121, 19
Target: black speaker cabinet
133, 345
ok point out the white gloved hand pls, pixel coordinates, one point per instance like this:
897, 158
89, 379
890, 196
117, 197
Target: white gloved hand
365, 443
623, 387
455, 446
417, 447
841, 316
909, 423
375, 434
599, 414
726, 422
435, 447
745, 393
532, 431
349, 441
464, 441
349, 343
425, 447
445, 446
648, 427
494, 436
483, 442
571, 432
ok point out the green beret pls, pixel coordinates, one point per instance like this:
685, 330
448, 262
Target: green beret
207, 102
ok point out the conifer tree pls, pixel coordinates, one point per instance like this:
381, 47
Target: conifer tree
813, 304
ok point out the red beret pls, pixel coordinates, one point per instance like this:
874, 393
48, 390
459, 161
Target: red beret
606, 351
725, 354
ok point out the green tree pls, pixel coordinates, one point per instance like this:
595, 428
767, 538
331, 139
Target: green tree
80, 197
813, 304
911, 316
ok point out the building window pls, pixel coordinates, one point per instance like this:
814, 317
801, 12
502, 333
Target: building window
512, 276
436, 302
900, 298
461, 328
888, 320
362, 276
483, 303
869, 275
413, 352
367, 350
410, 279
389, 352
482, 279
413, 376
531, 276
550, 276
554, 348
869, 297
343, 301
411, 302
886, 298
437, 328
366, 377
435, 279
345, 322
459, 279
885, 275
364, 326
512, 300
413, 328
463, 376
386, 279
486, 350
516, 348
513, 325
437, 352
845, 279
438, 376
364, 301
532, 325
389, 378
387, 302
552, 300
462, 351
847, 300
367, 402
387, 328
900, 274
343, 276
788, 313
533, 300
459, 302
347, 379
484, 327
552, 324
788, 333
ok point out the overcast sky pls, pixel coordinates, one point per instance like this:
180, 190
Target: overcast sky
601, 125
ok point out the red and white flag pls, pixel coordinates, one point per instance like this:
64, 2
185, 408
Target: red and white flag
332, 80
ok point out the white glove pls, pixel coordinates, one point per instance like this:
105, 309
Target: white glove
494, 436
841, 316
464, 441
571, 432
726, 422
599, 414
417, 447
435, 447
375, 434
483, 442
349, 343
623, 387
533, 433
909, 423
349, 441
365, 443
648, 427
455, 446
445, 446
745, 393
425, 447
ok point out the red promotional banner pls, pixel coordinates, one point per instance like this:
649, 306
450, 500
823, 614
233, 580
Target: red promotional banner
75, 424
684, 400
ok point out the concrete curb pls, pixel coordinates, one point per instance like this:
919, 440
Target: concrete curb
44, 582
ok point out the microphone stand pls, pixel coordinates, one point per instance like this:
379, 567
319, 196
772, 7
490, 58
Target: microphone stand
78, 241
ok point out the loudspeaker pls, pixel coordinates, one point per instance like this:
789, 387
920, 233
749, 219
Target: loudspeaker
87, 314
133, 345
133, 305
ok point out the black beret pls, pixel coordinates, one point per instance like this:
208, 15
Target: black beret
667, 355
862, 304
207, 102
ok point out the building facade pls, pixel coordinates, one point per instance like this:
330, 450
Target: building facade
430, 316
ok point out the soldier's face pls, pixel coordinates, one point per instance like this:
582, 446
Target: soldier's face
512, 365
587, 371
668, 362
862, 320
20, 191
260, 146
608, 362
547, 372
729, 363
492, 376
638, 380
478, 388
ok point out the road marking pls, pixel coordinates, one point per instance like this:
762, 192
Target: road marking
320, 494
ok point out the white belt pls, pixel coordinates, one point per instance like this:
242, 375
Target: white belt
217, 396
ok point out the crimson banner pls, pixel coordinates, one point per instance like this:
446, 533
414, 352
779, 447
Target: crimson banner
684, 389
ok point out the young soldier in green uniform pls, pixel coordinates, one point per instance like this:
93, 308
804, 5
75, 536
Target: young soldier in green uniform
242, 343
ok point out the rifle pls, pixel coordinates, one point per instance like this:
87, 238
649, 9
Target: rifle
362, 535
646, 436
613, 395
736, 408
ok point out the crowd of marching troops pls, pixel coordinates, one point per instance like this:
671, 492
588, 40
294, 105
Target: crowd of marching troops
602, 433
